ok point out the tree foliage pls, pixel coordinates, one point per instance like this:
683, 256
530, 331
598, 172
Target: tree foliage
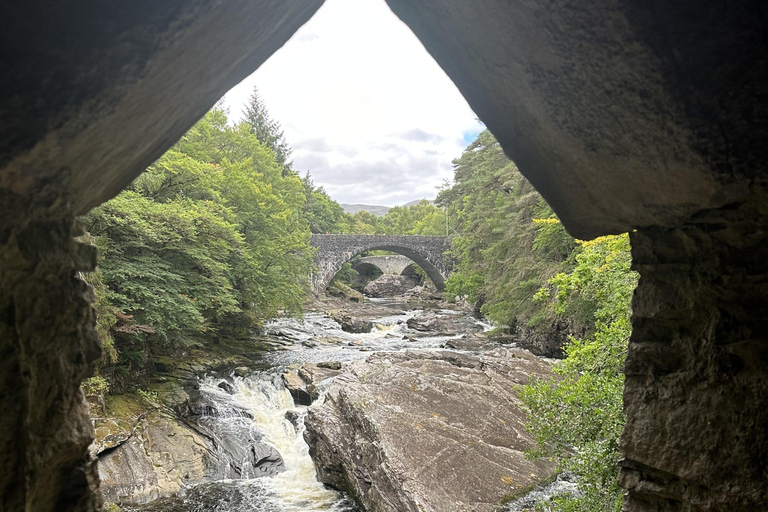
212, 236
506, 240
513, 256
423, 218
266, 129
578, 416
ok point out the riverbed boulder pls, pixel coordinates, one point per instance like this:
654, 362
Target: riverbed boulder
428, 431
350, 323
389, 285
297, 388
158, 458
313, 373
439, 323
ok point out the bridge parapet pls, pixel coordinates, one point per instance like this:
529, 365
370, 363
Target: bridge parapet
336, 250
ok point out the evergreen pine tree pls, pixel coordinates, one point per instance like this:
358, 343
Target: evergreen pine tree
267, 130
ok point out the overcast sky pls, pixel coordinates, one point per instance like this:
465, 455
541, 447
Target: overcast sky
365, 108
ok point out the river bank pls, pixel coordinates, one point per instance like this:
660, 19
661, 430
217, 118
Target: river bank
227, 429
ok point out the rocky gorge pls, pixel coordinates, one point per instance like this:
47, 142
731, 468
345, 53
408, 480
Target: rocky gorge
419, 413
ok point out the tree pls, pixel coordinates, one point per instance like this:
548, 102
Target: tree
267, 130
503, 255
210, 236
323, 213
578, 417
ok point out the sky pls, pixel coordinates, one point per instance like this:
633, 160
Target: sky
365, 108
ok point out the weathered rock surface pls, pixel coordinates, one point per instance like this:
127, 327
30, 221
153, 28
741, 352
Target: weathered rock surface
313, 373
158, 459
427, 432
470, 343
297, 388
303, 385
342, 291
436, 323
389, 285
350, 323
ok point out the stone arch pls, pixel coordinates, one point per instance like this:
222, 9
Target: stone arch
611, 109
333, 251
410, 271
388, 263
365, 268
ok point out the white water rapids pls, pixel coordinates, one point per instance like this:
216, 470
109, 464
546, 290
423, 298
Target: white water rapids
257, 411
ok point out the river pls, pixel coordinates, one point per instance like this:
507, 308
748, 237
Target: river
256, 410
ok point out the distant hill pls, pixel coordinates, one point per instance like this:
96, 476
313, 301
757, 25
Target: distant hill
378, 211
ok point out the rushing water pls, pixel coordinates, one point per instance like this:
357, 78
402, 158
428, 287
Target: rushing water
254, 418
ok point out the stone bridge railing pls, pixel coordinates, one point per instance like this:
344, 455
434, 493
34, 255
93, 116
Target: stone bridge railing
336, 250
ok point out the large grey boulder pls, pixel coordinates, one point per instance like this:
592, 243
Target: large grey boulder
427, 432
389, 285
350, 323
437, 323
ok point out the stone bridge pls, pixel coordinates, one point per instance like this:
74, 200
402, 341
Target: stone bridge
390, 264
336, 250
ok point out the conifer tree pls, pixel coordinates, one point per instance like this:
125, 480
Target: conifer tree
267, 130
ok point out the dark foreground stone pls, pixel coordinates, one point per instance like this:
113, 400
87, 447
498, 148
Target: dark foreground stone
427, 432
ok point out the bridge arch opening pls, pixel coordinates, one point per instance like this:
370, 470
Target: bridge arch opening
334, 251
412, 272
370, 267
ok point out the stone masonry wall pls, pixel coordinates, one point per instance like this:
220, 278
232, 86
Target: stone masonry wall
47, 346
696, 394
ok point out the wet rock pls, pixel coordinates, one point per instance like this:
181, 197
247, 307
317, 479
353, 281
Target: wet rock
158, 460
328, 340
349, 323
242, 371
294, 417
227, 387
354, 343
469, 343
342, 291
298, 390
425, 431
331, 365
313, 373
389, 285
442, 324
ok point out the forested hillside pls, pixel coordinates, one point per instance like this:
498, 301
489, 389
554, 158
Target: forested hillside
514, 258
212, 239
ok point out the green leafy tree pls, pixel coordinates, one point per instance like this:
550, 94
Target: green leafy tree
323, 213
212, 236
578, 416
506, 241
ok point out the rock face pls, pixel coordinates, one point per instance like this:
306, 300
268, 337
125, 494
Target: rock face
186, 439
303, 386
427, 432
389, 285
156, 460
696, 436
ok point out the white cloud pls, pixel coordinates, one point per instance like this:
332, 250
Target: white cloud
367, 110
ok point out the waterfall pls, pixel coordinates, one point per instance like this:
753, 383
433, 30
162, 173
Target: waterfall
260, 459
